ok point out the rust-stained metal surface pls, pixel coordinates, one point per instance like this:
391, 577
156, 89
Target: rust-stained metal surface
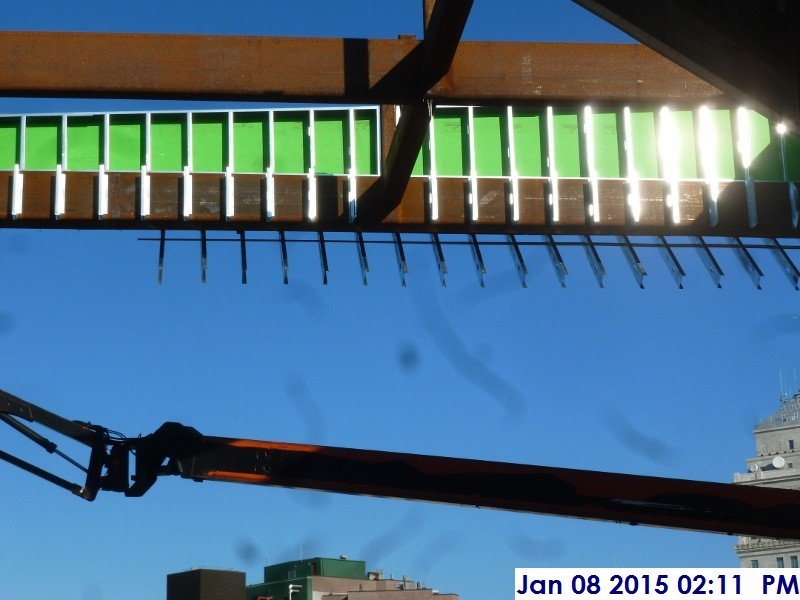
332, 69
412, 214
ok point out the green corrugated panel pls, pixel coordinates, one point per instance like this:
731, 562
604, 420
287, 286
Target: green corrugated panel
126, 142
452, 143
366, 142
330, 141
606, 144
9, 143
209, 142
42, 143
793, 157
168, 142
687, 159
490, 142
84, 143
645, 144
765, 148
726, 163
291, 142
250, 142
567, 144
528, 140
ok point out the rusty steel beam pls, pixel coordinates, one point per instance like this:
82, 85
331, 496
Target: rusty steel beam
746, 48
444, 24
208, 193
332, 69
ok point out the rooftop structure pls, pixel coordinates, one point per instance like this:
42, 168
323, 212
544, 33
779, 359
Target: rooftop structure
776, 464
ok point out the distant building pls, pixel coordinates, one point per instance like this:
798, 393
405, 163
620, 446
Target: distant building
776, 464
311, 579
206, 584
336, 579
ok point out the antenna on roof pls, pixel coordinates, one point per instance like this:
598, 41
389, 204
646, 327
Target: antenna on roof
794, 371
780, 376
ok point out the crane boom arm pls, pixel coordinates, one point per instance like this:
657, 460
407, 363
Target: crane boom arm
176, 449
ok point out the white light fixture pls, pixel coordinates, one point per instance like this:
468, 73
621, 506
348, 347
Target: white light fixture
634, 194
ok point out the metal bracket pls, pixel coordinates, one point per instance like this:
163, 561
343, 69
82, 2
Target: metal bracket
480, 268
362, 256
671, 261
284, 257
144, 192
243, 253
594, 260
555, 258
323, 257
270, 193
750, 189
229, 195
710, 263
61, 190
187, 192
161, 247
788, 267
312, 195
747, 261
16, 192
401, 258
102, 191
637, 268
203, 255
793, 203
439, 254
519, 261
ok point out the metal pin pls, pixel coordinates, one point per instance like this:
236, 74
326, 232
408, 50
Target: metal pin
671, 261
401, 258
747, 261
323, 257
203, 255
710, 263
788, 267
284, 257
440, 262
637, 268
480, 268
243, 252
555, 258
362, 256
519, 261
594, 260
161, 246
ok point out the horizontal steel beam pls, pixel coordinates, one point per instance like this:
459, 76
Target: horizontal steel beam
331, 69
167, 208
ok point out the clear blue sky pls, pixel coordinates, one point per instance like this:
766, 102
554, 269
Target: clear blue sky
659, 381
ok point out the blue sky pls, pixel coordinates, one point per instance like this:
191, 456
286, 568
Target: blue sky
659, 381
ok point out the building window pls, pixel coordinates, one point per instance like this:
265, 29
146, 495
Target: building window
791, 444
793, 561
780, 562
753, 564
